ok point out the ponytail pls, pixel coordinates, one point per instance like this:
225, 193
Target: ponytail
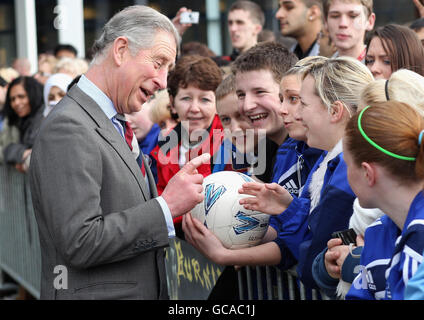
388, 133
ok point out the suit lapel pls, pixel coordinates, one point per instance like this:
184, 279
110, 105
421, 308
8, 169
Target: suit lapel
108, 132
120, 146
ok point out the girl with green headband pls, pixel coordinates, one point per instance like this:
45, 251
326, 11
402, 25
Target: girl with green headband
384, 154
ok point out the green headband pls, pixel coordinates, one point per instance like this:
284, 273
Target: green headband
394, 155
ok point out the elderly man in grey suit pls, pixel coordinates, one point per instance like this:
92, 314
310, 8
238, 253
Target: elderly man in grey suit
98, 217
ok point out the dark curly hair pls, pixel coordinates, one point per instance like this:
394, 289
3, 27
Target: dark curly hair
34, 91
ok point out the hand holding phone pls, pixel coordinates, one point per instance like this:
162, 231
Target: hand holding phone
189, 17
348, 236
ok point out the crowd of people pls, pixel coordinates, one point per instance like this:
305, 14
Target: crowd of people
28, 98
329, 127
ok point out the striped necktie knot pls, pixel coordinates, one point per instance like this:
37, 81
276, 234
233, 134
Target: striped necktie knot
128, 132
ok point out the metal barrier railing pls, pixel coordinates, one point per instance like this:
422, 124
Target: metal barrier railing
189, 274
271, 283
20, 254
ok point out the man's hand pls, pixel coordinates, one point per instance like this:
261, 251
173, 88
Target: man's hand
184, 191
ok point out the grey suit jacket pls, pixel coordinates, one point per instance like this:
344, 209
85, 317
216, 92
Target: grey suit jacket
94, 214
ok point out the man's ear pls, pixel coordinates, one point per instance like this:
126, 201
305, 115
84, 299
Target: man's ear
337, 111
370, 173
370, 22
313, 13
120, 49
258, 28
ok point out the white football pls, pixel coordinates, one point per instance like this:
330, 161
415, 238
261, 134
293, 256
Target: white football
222, 214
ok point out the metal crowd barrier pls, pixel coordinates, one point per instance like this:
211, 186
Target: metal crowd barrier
20, 254
190, 276
271, 283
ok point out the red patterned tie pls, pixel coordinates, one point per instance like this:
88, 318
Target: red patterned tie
129, 136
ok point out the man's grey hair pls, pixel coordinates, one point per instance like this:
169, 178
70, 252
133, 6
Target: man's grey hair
139, 24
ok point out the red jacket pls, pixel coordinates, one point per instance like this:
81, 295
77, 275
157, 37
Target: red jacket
167, 153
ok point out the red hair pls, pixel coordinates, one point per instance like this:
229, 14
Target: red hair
394, 126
